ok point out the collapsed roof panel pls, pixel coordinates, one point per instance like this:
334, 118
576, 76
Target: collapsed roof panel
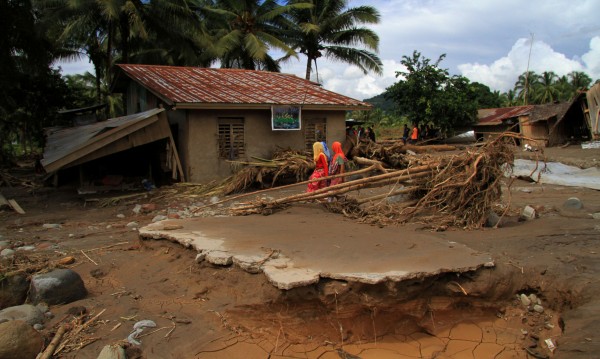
67, 147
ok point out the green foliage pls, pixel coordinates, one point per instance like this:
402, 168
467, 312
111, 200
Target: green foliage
244, 32
532, 88
381, 102
83, 93
484, 97
329, 28
426, 93
30, 92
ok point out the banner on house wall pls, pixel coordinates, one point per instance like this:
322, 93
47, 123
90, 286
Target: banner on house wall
285, 118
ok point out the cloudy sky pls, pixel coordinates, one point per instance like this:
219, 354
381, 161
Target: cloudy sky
487, 41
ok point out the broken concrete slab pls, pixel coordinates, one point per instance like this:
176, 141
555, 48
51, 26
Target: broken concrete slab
219, 258
303, 256
288, 278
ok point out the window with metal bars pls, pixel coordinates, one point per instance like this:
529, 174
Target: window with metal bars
231, 138
313, 132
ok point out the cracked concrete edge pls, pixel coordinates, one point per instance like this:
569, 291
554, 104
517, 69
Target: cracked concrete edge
395, 276
280, 270
194, 239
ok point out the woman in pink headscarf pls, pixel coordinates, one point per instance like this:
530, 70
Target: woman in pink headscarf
338, 163
321, 168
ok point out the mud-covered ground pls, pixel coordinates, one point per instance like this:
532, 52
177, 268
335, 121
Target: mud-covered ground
206, 311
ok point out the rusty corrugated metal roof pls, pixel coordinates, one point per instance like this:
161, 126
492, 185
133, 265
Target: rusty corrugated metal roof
195, 85
495, 116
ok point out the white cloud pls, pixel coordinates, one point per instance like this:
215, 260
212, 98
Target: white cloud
591, 59
503, 73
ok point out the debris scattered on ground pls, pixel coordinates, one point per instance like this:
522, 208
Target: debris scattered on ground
458, 189
138, 328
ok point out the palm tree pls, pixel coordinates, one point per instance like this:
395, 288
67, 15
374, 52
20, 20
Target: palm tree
509, 98
546, 90
113, 31
525, 86
564, 87
246, 30
331, 29
580, 80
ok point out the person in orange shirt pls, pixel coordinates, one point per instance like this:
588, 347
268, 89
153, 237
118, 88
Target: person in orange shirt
321, 168
337, 165
415, 134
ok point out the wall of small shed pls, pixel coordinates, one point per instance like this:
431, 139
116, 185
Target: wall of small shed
535, 133
198, 140
139, 99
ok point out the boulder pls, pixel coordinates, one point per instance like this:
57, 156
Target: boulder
25, 312
13, 290
57, 287
18, 340
112, 351
573, 203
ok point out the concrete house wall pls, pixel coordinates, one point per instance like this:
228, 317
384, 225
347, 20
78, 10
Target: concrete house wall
200, 147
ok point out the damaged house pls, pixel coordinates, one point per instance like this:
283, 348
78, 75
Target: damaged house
220, 115
117, 153
188, 123
545, 125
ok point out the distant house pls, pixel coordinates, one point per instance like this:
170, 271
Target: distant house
223, 115
493, 121
542, 125
592, 113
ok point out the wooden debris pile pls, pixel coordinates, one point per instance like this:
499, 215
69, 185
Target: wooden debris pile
456, 189
395, 154
286, 165
72, 336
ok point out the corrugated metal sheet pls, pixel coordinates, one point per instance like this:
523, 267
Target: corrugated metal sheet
194, 85
63, 142
495, 116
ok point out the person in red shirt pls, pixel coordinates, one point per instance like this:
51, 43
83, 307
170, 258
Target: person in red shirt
321, 168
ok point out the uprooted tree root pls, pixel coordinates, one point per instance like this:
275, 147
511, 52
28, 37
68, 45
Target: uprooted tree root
450, 190
286, 165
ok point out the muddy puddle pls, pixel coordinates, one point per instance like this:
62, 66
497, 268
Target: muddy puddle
438, 327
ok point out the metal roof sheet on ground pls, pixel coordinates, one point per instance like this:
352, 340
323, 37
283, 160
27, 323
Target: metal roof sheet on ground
194, 85
62, 142
495, 116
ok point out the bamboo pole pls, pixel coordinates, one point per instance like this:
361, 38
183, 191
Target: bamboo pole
346, 174
49, 351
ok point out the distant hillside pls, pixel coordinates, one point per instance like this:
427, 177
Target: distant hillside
381, 102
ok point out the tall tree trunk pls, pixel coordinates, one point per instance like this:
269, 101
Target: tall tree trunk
109, 52
308, 68
124, 25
